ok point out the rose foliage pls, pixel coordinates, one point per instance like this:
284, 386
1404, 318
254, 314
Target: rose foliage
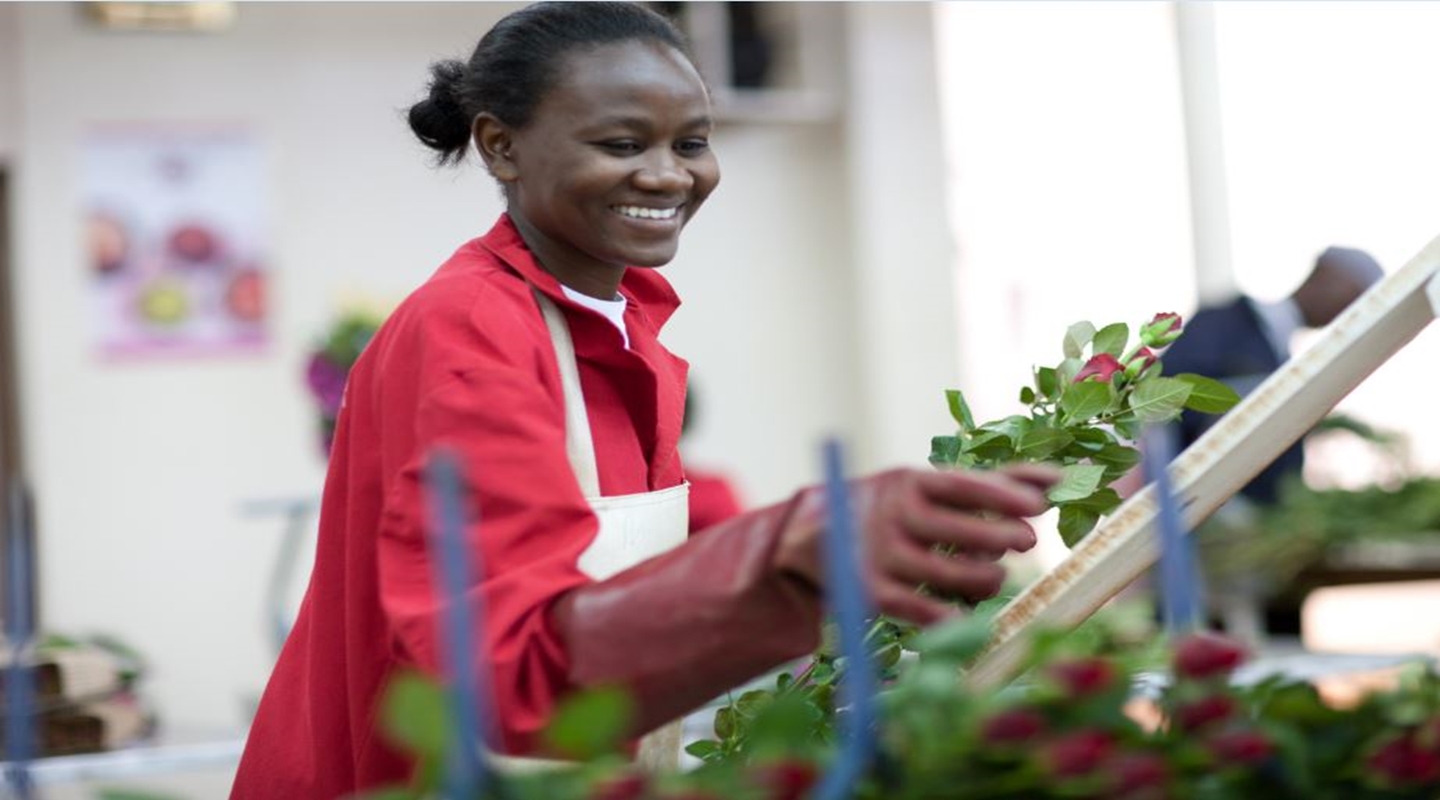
1079, 725
1084, 415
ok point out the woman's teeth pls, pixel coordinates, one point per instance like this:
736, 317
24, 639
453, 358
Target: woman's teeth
640, 212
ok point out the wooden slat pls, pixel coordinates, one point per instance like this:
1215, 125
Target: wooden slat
1224, 459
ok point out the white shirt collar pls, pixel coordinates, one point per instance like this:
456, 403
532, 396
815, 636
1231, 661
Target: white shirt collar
613, 310
1280, 320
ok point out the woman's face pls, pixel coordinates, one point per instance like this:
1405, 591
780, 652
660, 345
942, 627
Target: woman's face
614, 162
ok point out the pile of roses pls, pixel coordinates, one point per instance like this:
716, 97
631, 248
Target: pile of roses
1078, 725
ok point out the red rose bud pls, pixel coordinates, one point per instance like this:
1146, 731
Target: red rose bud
1140, 362
786, 780
1135, 772
1076, 754
1083, 677
1102, 367
1205, 655
1403, 761
1241, 747
1203, 712
630, 786
1162, 330
1015, 726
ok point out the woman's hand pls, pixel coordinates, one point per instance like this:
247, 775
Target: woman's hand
904, 514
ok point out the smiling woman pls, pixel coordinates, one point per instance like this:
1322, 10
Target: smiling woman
533, 355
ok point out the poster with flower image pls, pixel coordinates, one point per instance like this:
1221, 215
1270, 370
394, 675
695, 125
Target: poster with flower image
176, 244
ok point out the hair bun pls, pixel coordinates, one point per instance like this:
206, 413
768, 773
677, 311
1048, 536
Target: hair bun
439, 121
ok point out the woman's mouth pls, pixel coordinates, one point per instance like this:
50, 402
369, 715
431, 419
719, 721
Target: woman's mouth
646, 212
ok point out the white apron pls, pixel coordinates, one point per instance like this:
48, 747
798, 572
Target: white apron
633, 527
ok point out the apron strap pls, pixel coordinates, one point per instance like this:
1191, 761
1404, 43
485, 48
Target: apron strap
579, 445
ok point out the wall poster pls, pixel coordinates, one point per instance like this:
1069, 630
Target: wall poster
176, 240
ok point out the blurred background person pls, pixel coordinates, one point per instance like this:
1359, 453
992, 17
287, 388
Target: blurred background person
1243, 341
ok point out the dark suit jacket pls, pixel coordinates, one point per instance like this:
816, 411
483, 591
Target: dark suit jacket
1228, 343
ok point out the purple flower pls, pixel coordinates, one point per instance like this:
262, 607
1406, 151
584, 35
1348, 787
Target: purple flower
327, 382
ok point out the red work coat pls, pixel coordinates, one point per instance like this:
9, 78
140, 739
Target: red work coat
466, 362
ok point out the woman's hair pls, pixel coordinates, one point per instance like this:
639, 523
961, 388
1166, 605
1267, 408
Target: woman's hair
517, 62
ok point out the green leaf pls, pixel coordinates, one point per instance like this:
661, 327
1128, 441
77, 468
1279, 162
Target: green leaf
1027, 395
956, 640
1207, 395
1075, 522
944, 450
1067, 370
415, 715
1127, 426
1111, 339
725, 722
591, 724
1102, 501
1076, 338
1076, 481
1117, 459
703, 748
960, 410
1013, 426
1039, 444
1159, 399
990, 446
1048, 382
1082, 401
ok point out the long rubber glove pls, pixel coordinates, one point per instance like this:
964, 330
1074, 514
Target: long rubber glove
685, 626
740, 598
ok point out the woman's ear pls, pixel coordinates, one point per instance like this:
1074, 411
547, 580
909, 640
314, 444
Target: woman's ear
492, 140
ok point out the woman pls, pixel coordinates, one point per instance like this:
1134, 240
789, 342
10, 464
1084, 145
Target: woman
533, 353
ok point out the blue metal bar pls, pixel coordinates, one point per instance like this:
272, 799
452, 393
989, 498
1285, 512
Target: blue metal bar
1178, 576
461, 620
850, 606
19, 633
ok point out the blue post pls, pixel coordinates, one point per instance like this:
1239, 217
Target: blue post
19, 632
850, 605
1178, 576
461, 621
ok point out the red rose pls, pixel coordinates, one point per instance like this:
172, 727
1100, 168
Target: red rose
1103, 367
1015, 726
1403, 761
1205, 711
1141, 361
1162, 330
1203, 655
786, 780
1241, 747
1083, 677
1079, 753
1135, 772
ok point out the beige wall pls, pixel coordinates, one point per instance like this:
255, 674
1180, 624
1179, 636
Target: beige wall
141, 470
9, 78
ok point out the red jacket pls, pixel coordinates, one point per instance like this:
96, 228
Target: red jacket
465, 361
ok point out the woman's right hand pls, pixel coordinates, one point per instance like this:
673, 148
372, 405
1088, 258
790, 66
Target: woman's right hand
903, 516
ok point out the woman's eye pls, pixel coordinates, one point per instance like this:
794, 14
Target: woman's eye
693, 147
624, 147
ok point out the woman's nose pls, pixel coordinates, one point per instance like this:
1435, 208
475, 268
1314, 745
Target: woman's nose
663, 171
